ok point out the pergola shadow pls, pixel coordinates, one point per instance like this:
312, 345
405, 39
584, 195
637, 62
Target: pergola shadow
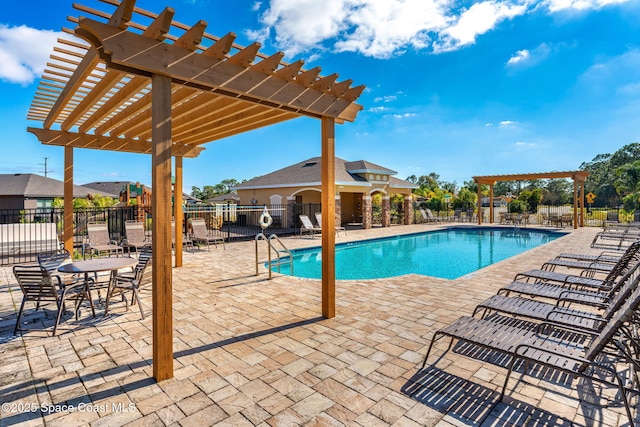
24, 388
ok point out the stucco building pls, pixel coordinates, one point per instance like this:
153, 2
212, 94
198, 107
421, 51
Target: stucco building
356, 183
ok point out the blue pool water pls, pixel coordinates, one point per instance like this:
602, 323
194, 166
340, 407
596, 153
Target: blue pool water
448, 253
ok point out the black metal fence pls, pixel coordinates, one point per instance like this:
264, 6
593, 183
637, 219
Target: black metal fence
25, 233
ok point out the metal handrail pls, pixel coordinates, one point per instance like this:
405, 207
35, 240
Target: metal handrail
278, 262
284, 249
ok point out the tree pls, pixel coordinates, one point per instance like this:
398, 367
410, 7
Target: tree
627, 184
558, 192
465, 199
602, 173
532, 198
501, 188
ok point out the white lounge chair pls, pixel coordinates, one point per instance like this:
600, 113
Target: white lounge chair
338, 226
308, 227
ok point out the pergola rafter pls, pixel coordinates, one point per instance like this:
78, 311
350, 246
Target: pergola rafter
578, 177
165, 88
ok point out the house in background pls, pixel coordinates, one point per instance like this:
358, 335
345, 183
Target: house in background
356, 183
30, 191
121, 190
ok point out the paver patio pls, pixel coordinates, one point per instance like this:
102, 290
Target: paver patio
252, 351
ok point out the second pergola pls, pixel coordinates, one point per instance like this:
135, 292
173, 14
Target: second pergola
578, 177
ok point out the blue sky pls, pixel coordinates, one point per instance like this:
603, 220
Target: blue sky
459, 88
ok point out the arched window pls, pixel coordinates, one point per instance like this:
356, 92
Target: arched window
275, 199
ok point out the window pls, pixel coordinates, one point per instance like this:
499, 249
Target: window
275, 199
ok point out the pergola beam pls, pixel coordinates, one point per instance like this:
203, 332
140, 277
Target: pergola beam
79, 140
127, 52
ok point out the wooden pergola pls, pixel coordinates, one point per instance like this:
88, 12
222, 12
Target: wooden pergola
579, 178
163, 88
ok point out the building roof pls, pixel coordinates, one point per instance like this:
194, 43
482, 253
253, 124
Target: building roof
32, 185
108, 188
308, 173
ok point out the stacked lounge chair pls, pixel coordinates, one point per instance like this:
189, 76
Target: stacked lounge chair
579, 325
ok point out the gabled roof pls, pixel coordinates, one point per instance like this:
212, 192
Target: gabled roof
363, 166
32, 185
108, 188
308, 173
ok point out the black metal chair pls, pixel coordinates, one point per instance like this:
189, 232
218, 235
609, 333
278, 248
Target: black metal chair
39, 286
125, 282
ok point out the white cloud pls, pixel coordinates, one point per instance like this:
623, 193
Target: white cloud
528, 58
478, 19
520, 56
384, 28
507, 123
613, 74
521, 144
378, 109
387, 98
559, 5
404, 116
24, 52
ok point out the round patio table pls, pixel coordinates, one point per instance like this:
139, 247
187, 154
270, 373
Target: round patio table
97, 265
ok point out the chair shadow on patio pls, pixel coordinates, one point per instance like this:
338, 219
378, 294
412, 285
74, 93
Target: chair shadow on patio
476, 405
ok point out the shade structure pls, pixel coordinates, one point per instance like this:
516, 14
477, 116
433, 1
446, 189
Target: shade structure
579, 178
129, 80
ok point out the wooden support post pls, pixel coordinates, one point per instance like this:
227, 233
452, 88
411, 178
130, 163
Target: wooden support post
582, 211
479, 204
67, 215
490, 203
177, 210
575, 203
161, 206
328, 218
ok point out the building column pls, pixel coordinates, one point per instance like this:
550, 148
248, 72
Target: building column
386, 211
408, 210
338, 210
367, 212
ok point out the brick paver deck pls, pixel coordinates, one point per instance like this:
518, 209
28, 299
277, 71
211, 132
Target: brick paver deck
249, 351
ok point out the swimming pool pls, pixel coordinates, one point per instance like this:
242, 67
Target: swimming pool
448, 253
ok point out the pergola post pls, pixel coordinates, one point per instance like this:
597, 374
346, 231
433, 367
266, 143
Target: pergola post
161, 208
479, 204
67, 215
582, 203
491, 203
177, 209
575, 203
328, 218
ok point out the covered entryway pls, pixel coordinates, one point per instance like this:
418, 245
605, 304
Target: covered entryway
136, 81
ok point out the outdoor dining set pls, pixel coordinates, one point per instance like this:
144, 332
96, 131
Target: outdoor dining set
97, 280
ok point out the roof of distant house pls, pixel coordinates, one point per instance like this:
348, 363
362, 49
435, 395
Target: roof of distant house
109, 188
308, 172
32, 185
